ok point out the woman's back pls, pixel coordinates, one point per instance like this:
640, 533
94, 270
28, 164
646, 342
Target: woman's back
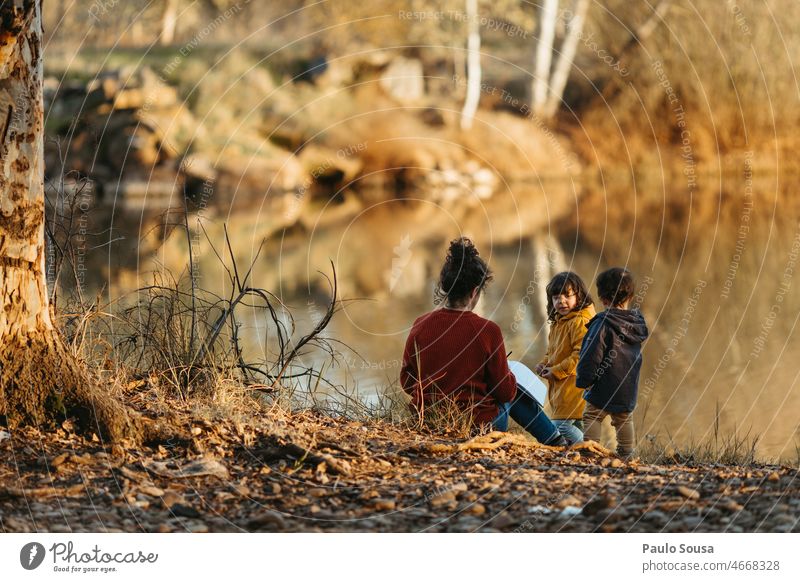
459, 355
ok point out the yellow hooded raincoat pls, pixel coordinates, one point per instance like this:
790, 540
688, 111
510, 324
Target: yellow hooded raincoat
564, 399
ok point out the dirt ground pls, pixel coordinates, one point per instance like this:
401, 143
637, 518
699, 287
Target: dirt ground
308, 472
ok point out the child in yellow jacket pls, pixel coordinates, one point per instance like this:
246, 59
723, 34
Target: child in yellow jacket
569, 309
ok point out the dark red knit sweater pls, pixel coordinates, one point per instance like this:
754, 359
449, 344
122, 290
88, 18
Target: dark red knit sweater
461, 355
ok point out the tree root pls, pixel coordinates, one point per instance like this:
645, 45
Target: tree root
592, 447
497, 439
304, 455
43, 384
489, 441
42, 492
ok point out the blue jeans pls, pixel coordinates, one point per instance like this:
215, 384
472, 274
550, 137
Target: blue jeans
569, 430
527, 413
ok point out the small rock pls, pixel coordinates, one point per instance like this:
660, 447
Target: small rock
317, 492
568, 512
688, 493
242, 490
274, 488
443, 499
568, 501
616, 463
612, 514
197, 527
171, 498
152, 491
731, 505
597, 504
692, 521
475, 509
384, 505
181, 510
657, 517
59, 460
503, 520
773, 477
268, 519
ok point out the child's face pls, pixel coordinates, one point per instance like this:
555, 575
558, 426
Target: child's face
565, 302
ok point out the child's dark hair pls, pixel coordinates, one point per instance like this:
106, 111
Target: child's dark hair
463, 271
567, 282
616, 286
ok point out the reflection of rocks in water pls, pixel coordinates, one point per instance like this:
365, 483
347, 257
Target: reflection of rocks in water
395, 247
381, 248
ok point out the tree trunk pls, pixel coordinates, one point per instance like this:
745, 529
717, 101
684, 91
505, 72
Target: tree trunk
169, 22
544, 55
40, 380
564, 64
473, 66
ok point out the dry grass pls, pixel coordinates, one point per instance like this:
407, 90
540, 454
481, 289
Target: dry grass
730, 449
733, 449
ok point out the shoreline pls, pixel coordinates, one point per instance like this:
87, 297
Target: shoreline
310, 472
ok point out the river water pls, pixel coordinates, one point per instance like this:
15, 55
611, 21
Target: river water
715, 265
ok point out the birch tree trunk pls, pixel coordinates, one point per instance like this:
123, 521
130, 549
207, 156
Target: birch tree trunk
473, 65
544, 55
40, 380
169, 22
566, 57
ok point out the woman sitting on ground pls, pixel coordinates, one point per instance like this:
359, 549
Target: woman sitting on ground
454, 355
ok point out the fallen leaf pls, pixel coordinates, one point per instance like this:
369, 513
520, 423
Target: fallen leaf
199, 468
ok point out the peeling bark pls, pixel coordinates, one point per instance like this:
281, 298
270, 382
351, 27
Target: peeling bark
40, 380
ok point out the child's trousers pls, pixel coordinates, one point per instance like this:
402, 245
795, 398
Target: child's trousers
622, 422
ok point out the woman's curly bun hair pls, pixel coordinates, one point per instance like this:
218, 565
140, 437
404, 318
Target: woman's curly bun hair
463, 270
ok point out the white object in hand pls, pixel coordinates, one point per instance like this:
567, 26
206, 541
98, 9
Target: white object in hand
528, 381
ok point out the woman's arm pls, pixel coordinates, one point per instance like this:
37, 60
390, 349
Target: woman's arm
409, 371
501, 383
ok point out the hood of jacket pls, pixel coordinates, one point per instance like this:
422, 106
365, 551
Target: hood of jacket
627, 324
587, 313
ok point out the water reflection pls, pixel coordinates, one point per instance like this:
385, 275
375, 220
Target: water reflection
716, 270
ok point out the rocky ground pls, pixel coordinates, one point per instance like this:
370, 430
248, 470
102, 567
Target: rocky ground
307, 472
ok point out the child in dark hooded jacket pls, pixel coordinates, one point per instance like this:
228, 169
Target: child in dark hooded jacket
610, 360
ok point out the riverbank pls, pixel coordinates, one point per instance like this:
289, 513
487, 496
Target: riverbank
310, 472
